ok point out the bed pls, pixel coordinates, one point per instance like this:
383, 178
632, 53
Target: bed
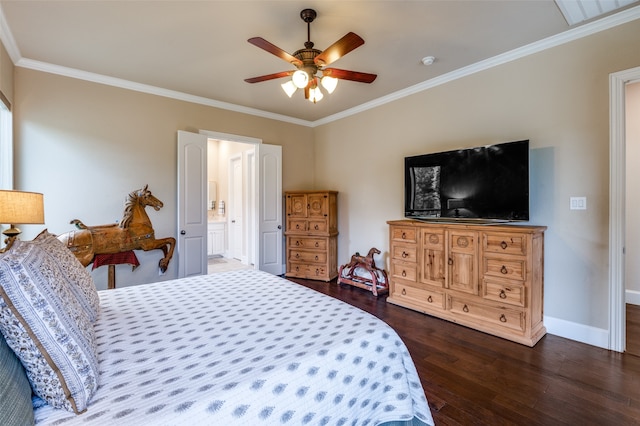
247, 348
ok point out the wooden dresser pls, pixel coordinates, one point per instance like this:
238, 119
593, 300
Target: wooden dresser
487, 277
311, 234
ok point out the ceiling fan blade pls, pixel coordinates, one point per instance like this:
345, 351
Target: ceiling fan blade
275, 50
361, 77
338, 49
269, 77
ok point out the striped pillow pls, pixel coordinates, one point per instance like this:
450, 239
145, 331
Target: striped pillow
46, 327
80, 280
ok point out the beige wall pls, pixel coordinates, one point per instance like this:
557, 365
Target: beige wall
86, 146
558, 99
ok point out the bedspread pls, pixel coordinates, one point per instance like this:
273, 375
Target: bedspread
245, 348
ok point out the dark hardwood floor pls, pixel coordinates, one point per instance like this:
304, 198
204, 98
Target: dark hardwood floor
472, 378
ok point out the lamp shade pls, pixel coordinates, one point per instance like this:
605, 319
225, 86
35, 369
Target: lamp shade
329, 83
289, 88
19, 207
315, 95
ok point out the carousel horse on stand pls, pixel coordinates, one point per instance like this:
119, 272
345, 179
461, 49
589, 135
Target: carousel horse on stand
134, 232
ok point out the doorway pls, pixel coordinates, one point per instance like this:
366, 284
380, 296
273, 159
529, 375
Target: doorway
617, 213
229, 164
266, 196
259, 167
632, 227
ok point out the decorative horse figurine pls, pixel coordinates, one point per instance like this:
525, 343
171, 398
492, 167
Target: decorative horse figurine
362, 272
134, 232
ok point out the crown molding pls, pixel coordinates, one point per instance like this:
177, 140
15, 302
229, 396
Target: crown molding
594, 27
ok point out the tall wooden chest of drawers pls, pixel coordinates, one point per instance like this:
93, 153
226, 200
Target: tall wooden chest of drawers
487, 277
311, 232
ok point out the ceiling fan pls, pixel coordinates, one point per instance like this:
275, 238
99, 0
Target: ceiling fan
311, 63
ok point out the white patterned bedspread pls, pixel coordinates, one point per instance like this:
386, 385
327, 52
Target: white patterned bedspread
244, 348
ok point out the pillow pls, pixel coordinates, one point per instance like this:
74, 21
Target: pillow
15, 392
44, 324
80, 279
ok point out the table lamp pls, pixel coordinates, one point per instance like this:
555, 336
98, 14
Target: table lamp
20, 207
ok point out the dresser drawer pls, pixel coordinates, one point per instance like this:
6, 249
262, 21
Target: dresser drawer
404, 234
297, 225
318, 226
512, 319
305, 270
404, 271
405, 253
425, 297
433, 239
308, 256
307, 243
505, 243
502, 292
510, 268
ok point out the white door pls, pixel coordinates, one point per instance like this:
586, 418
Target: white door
235, 208
192, 208
252, 208
269, 181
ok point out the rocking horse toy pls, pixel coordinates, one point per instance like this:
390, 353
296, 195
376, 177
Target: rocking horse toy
134, 232
362, 272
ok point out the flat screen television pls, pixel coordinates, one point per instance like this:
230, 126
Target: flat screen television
484, 184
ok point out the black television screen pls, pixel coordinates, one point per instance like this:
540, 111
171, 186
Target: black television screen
488, 183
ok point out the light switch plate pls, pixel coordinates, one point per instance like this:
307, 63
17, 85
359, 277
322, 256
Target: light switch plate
578, 203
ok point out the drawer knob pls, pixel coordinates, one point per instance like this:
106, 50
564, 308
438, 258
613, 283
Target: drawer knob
430, 299
316, 227
503, 295
297, 243
297, 255
504, 270
297, 269
317, 271
404, 236
404, 292
450, 261
297, 226
404, 273
317, 245
504, 245
405, 254
503, 318
316, 257
465, 308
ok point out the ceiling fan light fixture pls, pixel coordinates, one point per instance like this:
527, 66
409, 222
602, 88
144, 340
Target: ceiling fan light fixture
289, 88
310, 63
329, 83
300, 79
315, 94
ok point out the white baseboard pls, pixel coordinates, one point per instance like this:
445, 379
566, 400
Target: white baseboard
632, 297
579, 332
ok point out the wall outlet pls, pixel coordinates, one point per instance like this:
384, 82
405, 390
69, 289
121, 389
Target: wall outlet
578, 203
